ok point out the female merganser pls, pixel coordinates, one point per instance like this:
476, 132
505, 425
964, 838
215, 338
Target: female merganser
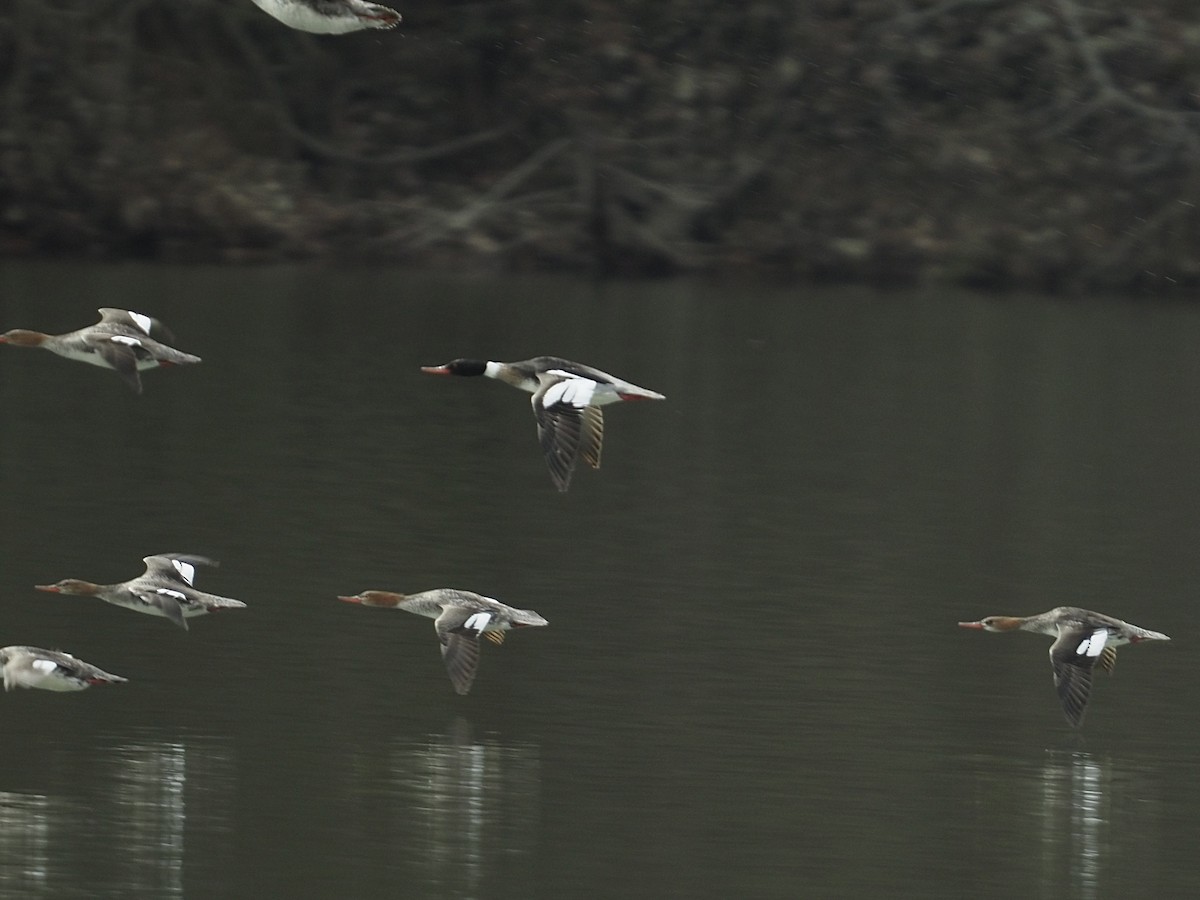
460, 617
50, 670
330, 16
165, 589
121, 340
1083, 640
566, 401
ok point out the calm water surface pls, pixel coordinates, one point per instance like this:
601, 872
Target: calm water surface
752, 684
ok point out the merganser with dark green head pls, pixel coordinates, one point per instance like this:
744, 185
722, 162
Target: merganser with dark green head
567, 397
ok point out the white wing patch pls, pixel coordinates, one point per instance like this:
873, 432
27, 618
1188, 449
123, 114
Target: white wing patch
186, 570
1093, 645
170, 593
125, 339
478, 622
141, 321
575, 392
45, 666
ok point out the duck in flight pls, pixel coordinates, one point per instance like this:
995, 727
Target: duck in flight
567, 400
1082, 640
460, 619
122, 340
164, 589
49, 670
330, 16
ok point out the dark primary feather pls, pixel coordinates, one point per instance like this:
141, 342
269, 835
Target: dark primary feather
460, 650
123, 361
170, 606
1074, 684
460, 653
567, 433
1073, 671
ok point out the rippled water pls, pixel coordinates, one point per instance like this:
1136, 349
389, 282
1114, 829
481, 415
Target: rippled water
752, 684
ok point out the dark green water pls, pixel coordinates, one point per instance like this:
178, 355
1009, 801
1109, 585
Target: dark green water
752, 684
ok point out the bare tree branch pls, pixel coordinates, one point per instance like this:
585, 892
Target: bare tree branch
463, 219
281, 108
1108, 92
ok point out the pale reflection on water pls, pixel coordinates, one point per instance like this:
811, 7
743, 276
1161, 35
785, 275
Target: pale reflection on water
463, 806
128, 839
151, 813
1083, 801
24, 843
753, 685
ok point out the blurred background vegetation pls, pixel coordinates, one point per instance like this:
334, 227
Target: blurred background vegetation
1042, 144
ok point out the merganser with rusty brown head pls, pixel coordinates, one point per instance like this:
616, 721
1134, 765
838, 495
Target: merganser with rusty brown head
164, 589
460, 618
567, 397
1083, 640
122, 340
50, 670
330, 16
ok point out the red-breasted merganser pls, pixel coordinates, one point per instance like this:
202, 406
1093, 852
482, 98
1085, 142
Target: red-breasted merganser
460, 617
165, 589
122, 340
50, 670
1083, 640
330, 16
566, 402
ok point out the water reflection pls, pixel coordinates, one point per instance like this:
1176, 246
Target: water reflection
1075, 817
132, 841
939, 449
1095, 817
149, 794
470, 803
24, 843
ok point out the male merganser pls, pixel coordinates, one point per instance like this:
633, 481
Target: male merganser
330, 16
1083, 640
121, 340
566, 402
460, 617
50, 670
165, 589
